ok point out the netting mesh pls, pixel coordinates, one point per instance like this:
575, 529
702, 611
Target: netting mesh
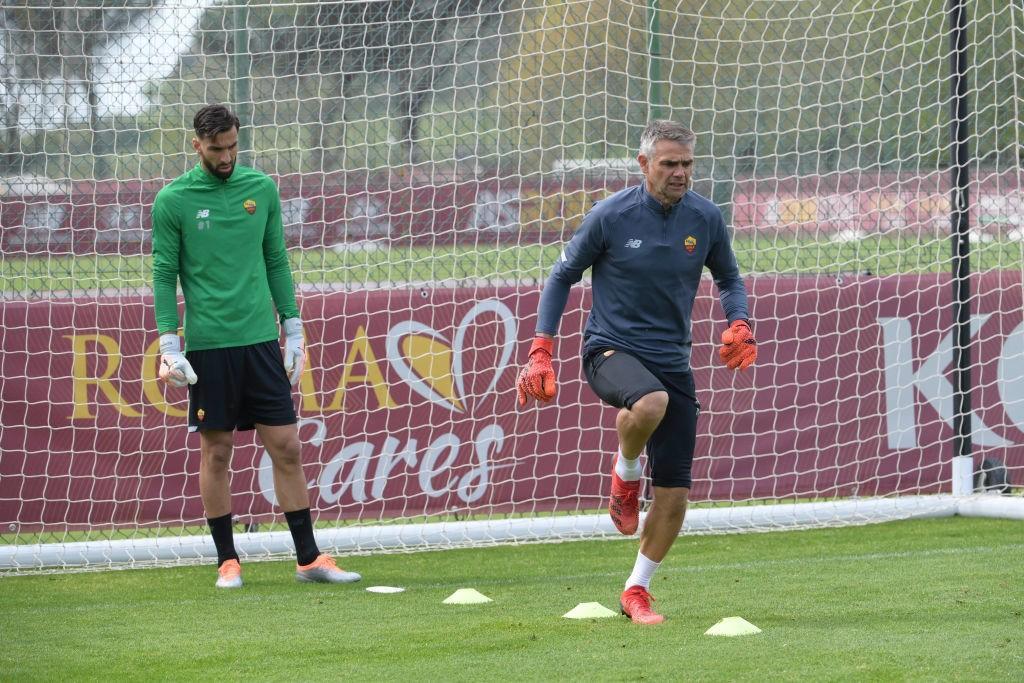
432, 157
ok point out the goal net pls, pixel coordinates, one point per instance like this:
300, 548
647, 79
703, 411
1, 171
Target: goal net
432, 157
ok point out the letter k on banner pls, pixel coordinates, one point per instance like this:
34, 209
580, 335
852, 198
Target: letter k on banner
929, 379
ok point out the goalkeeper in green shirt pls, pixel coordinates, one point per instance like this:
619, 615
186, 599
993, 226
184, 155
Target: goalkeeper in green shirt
217, 229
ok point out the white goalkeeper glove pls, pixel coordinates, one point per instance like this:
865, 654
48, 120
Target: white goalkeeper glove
294, 349
174, 367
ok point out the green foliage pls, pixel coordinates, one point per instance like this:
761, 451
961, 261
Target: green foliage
916, 600
800, 87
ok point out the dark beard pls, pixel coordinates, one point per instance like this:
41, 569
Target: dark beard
219, 174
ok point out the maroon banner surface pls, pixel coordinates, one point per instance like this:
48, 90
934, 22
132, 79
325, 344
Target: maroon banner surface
324, 210
408, 408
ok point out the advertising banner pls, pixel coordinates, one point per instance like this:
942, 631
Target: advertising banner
325, 210
407, 406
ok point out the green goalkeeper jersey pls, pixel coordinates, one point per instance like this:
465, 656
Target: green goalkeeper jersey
224, 240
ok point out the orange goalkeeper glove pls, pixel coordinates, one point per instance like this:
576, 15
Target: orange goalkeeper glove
739, 349
537, 378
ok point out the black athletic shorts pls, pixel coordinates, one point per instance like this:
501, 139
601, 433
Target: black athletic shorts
620, 380
238, 388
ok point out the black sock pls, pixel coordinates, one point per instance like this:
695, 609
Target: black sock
223, 538
301, 526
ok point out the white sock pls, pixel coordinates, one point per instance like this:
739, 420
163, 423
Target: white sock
628, 470
643, 571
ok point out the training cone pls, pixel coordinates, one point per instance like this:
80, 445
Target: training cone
732, 626
589, 610
466, 596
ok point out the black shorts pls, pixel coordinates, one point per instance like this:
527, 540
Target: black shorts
620, 380
238, 388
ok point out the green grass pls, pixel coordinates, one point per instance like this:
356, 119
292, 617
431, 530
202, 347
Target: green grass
35, 275
879, 255
917, 600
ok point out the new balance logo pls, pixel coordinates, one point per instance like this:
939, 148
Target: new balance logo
203, 219
633, 244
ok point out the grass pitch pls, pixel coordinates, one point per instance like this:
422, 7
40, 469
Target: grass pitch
40, 276
916, 600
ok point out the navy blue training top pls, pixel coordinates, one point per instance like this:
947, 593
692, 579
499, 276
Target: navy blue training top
647, 263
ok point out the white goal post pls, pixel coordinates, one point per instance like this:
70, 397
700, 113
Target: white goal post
432, 158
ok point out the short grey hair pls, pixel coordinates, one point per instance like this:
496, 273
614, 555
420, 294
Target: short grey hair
663, 129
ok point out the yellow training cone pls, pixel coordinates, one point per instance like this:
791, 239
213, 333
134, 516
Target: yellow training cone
732, 626
466, 596
589, 610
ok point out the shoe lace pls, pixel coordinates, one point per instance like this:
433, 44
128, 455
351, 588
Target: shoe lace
326, 562
638, 597
626, 491
620, 501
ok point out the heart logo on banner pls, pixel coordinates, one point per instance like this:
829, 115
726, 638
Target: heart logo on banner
434, 367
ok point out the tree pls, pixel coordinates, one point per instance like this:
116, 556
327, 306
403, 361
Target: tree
45, 40
398, 48
10, 104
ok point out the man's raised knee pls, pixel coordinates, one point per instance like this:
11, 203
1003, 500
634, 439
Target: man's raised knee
651, 407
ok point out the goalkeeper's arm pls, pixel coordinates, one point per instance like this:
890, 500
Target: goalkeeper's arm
537, 378
166, 255
174, 367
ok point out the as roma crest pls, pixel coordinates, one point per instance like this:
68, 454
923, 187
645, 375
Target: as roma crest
690, 243
250, 206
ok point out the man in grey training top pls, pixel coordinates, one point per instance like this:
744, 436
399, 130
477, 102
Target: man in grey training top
647, 246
